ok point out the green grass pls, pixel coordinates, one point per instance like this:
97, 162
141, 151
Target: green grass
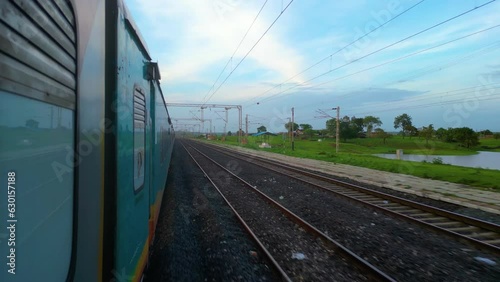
491, 144
409, 146
358, 152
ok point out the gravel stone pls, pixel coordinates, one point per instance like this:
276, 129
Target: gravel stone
198, 238
404, 251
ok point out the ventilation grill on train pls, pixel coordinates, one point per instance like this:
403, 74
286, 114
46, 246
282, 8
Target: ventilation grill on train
139, 108
38, 51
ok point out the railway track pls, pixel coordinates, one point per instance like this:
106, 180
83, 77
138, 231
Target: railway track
274, 226
482, 234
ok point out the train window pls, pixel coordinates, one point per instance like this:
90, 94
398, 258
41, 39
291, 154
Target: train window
37, 139
36, 152
140, 118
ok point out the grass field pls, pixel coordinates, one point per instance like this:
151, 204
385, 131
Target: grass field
358, 152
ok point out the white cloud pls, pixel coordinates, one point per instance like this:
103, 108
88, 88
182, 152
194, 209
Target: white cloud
197, 35
192, 40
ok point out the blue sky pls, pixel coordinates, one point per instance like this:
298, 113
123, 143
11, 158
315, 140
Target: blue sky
446, 76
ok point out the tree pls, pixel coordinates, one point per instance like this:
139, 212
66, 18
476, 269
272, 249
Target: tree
412, 131
358, 123
229, 133
467, 137
261, 129
427, 133
486, 132
331, 126
349, 127
305, 126
404, 122
355, 127
346, 131
441, 133
380, 133
449, 135
288, 126
370, 122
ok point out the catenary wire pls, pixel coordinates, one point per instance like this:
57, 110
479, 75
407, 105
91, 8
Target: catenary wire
381, 49
244, 57
237, 48
382, 64
435, 67
336, 52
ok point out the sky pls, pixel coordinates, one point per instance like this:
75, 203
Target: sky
435, 60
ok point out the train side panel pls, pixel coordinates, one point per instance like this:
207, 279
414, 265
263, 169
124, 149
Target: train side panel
37, 139
134, 151
162, 152
85, 128
92, 127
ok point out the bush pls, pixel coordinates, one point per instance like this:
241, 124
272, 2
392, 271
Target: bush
437, 160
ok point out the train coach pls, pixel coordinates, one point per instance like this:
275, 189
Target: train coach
85, 142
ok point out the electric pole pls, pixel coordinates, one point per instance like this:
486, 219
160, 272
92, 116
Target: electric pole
289, 129
202, 121
338, 129
225, 124
246, 126
209, 106
240, 118
293, 133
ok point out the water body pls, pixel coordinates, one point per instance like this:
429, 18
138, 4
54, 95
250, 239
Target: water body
489, 160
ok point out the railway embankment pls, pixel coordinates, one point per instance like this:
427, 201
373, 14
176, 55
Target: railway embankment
459, 194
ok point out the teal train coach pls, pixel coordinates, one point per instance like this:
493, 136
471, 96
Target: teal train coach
85, 142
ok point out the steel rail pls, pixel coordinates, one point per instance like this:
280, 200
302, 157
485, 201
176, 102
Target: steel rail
382, 201
245, 225
372, 271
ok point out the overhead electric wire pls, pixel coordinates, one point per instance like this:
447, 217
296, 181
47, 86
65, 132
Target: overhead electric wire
385, 63
383, 48
336, 52
441, 66
396, 105
431, 68
257, 117
354, 113
281, 13
429, 105
420, 98
435, 67
407, 56
349, 94
237, 48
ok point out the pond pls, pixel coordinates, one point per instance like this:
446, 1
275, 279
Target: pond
489, 160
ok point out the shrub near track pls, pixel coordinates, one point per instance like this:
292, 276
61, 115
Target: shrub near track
358, 152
